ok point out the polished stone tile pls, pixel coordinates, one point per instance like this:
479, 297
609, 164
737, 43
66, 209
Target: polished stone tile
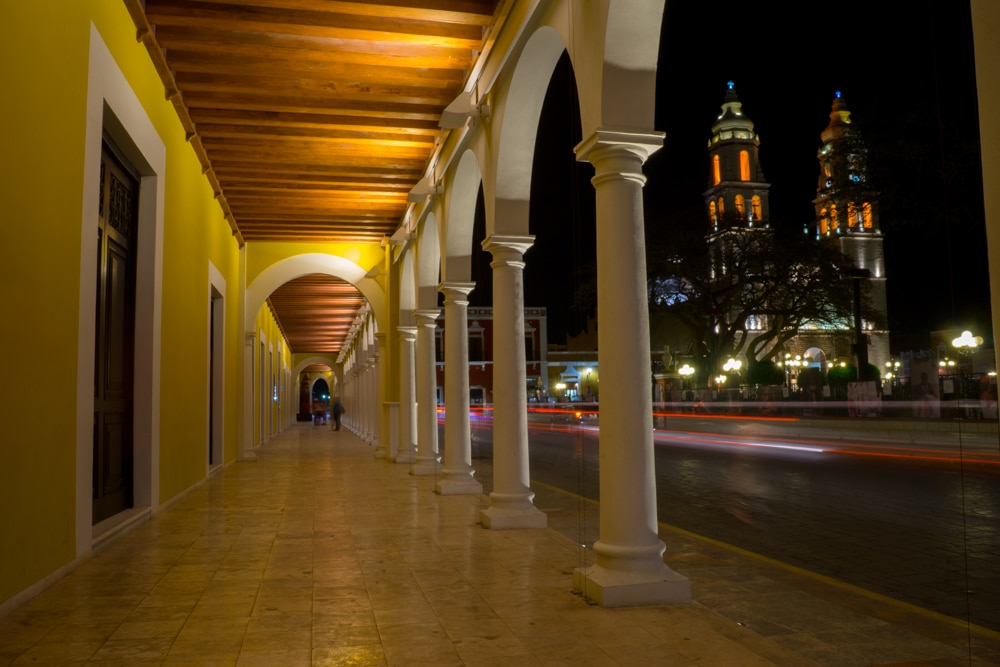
323, 556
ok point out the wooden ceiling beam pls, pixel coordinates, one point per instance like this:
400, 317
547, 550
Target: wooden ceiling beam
462, 11
385, 28
310, 121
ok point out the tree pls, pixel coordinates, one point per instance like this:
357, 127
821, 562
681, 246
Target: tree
747, 292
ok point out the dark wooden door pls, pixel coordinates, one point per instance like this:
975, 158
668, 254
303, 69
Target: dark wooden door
115, 339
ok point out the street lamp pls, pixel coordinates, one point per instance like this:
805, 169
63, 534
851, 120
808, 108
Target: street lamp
966, 345
686, 371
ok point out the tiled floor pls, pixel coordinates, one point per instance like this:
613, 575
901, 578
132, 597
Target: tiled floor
318, 554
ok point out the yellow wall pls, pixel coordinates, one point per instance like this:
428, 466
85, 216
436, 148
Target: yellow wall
43, 73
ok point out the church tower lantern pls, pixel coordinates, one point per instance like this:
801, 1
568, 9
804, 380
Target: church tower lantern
737, 192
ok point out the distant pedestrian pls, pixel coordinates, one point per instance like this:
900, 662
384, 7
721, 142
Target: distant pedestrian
336, 411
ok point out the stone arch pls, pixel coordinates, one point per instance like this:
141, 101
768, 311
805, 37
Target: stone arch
521, 109
309, 361
428, 261
628, 75
815, 356
293, 267
456, 236
407, 288
328, 381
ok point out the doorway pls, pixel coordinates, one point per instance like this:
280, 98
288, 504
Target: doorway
114, 349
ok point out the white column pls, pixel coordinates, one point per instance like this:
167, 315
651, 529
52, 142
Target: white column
244, 432
407, 397
381, 437
629, 567
427, 431
457, 474
247, 451
363, 379
511, 500
369, 400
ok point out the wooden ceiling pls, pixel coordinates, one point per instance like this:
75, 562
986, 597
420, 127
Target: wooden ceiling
313, 119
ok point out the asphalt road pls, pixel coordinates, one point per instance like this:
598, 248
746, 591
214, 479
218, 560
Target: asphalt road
924, 529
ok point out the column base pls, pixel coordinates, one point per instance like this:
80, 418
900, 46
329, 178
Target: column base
380, 451
458, 487
631, 576
248, 455
617, 589
423, 467
405, 457
512, 511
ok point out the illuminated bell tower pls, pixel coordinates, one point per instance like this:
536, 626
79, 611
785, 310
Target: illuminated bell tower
737, 193
736, 200
847, 211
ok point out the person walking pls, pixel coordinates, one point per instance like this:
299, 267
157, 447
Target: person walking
335, 412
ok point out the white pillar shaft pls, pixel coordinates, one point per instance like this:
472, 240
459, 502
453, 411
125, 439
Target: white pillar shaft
381, 431
427, 431
629, 568
246, 446
457, 474
511, 498
407, 396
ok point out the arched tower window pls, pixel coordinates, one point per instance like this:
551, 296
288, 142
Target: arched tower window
722, 208
744, 166
741, 207
713, 216
853, 216
833, 218
866, 215
755, 210
824, 222
716, 170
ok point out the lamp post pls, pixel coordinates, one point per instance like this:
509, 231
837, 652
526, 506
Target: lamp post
966, 345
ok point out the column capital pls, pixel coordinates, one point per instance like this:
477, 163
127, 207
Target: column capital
249, 338
454, 292
407, 333
508, 248
427, 317
619, 139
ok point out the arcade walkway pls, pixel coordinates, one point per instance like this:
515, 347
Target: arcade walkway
318, 554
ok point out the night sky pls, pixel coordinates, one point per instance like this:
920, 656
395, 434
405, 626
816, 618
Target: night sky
906, 71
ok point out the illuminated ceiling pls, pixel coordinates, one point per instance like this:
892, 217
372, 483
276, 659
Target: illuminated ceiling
313, 119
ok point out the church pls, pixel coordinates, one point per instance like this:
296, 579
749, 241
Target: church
739, 224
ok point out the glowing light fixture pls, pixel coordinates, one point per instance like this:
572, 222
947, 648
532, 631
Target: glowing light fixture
967, 342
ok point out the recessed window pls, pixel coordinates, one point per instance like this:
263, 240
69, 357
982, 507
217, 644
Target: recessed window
741, 207
866, 215
744, 166
712, 213
755, 209
716, 170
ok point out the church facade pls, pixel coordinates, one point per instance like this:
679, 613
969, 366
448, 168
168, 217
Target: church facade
738, 217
